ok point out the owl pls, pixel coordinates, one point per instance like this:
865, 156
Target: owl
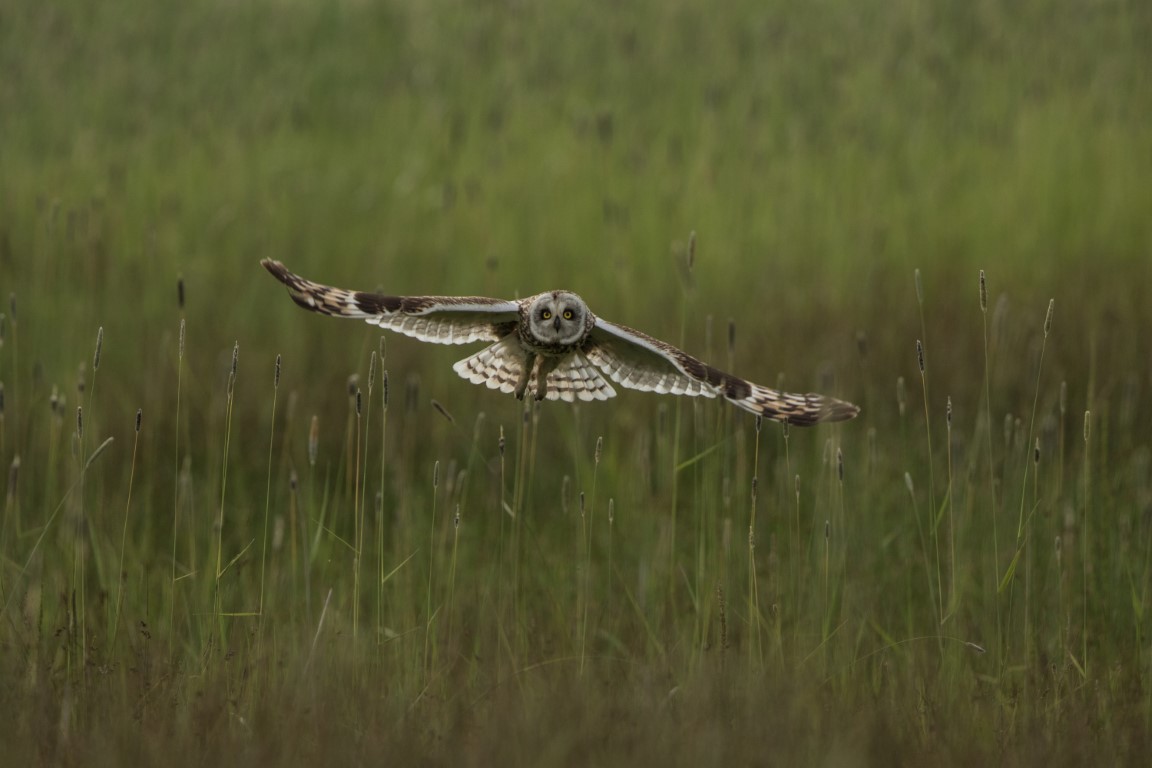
551, 346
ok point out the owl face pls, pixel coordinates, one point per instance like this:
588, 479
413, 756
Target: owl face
559, 317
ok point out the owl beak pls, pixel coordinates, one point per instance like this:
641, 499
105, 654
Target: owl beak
556, 323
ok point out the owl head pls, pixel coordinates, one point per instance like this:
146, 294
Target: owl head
558, 317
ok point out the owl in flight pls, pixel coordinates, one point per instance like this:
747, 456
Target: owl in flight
552, 346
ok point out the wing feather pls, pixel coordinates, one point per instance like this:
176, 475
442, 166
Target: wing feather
436, 319
497, 366
637, 361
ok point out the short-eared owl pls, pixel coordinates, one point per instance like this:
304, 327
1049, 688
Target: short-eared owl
552, 346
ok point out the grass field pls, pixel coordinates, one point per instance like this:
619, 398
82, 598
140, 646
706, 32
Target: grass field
237, 533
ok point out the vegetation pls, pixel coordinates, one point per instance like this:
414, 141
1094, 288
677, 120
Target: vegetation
233, 532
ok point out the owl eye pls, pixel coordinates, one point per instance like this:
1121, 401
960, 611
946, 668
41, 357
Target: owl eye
546, 314
567, 314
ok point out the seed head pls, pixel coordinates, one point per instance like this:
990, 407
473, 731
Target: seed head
371, 370
436, 474
760, 422
313, 440
949, 412
840, 464
276, 378
456, 519
1036, 452
1087, 425
500, 443
1048, 317
293, 481
828, 523
755, 487
443, 411
235, 356
79, 421
599, 449
181, 352
359, 402
581, 503
920, 355
99, 347
13, 475
180, 291
908, 483
384, 384
983, 293
139, 418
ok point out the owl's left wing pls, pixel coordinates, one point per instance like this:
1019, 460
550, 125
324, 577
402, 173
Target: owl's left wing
437, 319
637, 361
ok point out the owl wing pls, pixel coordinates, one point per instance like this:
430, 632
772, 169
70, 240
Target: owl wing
437, 319
635, 360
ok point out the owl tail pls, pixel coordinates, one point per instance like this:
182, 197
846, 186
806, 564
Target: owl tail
500, 365
574, 378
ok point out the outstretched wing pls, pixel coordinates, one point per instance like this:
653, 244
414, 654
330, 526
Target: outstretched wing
637, 361
438, 319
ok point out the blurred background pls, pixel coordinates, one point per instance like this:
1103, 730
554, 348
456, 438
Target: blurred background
847, 169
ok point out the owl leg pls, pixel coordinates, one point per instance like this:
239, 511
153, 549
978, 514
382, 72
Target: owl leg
525, 375
547, 365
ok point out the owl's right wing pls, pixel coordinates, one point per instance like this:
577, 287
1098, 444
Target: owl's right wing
637, 361
437, 319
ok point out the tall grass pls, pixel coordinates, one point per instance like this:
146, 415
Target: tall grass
641, 579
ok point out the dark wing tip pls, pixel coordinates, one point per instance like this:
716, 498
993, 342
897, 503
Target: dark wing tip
838, 410
820, 409
278, 270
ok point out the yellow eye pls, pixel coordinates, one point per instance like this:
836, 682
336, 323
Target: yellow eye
547, 315
567, 314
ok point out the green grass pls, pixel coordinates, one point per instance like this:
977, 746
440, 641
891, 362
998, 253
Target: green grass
285, 564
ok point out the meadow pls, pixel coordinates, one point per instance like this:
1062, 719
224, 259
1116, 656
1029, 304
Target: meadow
237, 533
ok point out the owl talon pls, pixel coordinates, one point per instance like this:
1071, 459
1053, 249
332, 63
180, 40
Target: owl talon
525, 375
